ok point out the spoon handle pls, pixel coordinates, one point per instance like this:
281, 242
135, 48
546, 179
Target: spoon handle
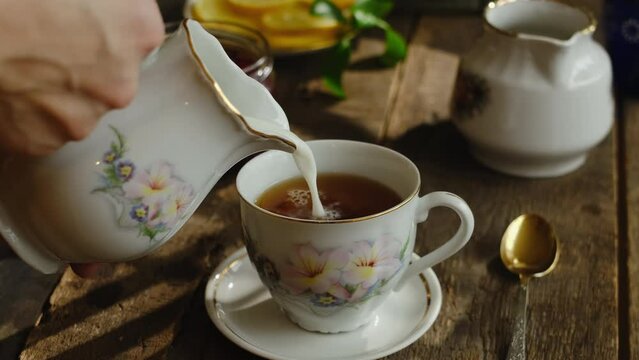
517, 350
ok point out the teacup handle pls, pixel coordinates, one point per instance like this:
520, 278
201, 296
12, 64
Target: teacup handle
450, 247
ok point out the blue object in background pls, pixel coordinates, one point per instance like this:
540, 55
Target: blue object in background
622, 31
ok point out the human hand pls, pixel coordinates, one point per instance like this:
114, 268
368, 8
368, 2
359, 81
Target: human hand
86, 270
64, 63
90, 270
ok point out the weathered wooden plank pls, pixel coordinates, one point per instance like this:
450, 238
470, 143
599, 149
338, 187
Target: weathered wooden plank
426, 79
428, 74
572, 312
23, 292
312, 114
630, 127
135, 311
477, 314
368, 86
199, 338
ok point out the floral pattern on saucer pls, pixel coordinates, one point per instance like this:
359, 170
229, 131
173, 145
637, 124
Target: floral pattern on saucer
335, 277
153, 199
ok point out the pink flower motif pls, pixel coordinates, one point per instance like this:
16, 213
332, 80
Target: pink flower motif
150, 185
340, 292
174, 207
372, 262
314, 270
155, 218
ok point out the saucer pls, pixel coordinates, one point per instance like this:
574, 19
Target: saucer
243, 310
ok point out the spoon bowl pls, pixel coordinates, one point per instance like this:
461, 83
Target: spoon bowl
529, 248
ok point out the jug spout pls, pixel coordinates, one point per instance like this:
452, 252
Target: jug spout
551, 32
555, 60
548, 21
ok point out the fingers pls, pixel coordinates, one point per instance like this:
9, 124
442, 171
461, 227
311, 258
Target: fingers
74, 114
72, 67
25, 129
152, 32
92, 270
130, 31
117, 89
39, 123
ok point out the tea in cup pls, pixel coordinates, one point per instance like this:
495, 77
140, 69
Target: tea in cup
331, 274
343, 196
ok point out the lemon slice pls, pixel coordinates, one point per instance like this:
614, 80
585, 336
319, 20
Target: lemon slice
219, 10
302, 42
343, 4
259, 6
297, 19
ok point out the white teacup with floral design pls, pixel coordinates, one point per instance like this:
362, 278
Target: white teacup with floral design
332, 275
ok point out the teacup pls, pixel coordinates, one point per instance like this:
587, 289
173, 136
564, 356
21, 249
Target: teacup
332, 275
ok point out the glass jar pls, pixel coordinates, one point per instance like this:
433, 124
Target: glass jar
245, 46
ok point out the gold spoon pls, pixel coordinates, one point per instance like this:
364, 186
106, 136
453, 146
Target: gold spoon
529, 248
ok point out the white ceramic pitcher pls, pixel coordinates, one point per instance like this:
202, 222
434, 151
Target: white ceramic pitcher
534, 94
127, 188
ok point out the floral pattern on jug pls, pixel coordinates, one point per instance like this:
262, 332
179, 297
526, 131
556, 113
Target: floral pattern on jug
153, 199
334, 277
471, 95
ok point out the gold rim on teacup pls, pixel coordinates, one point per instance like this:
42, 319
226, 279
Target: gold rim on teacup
406, 200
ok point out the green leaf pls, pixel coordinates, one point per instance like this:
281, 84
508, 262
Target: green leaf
112, 177
147, 231
105, 189
395, 48
395, 43
379, 8
366, 14
402, 253
326, 8
334, 86
335, 66
120, 147
365, 20
350, 288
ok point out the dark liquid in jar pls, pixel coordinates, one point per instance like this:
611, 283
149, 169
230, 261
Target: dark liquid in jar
245, 59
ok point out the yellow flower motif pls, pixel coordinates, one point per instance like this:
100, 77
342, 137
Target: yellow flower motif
126, 170
326, 300
140, 212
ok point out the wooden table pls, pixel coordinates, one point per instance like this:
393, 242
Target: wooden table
587, 309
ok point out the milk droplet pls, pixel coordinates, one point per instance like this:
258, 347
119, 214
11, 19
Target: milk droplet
306, 163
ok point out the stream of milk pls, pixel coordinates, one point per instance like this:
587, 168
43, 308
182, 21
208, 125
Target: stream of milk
303, 156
